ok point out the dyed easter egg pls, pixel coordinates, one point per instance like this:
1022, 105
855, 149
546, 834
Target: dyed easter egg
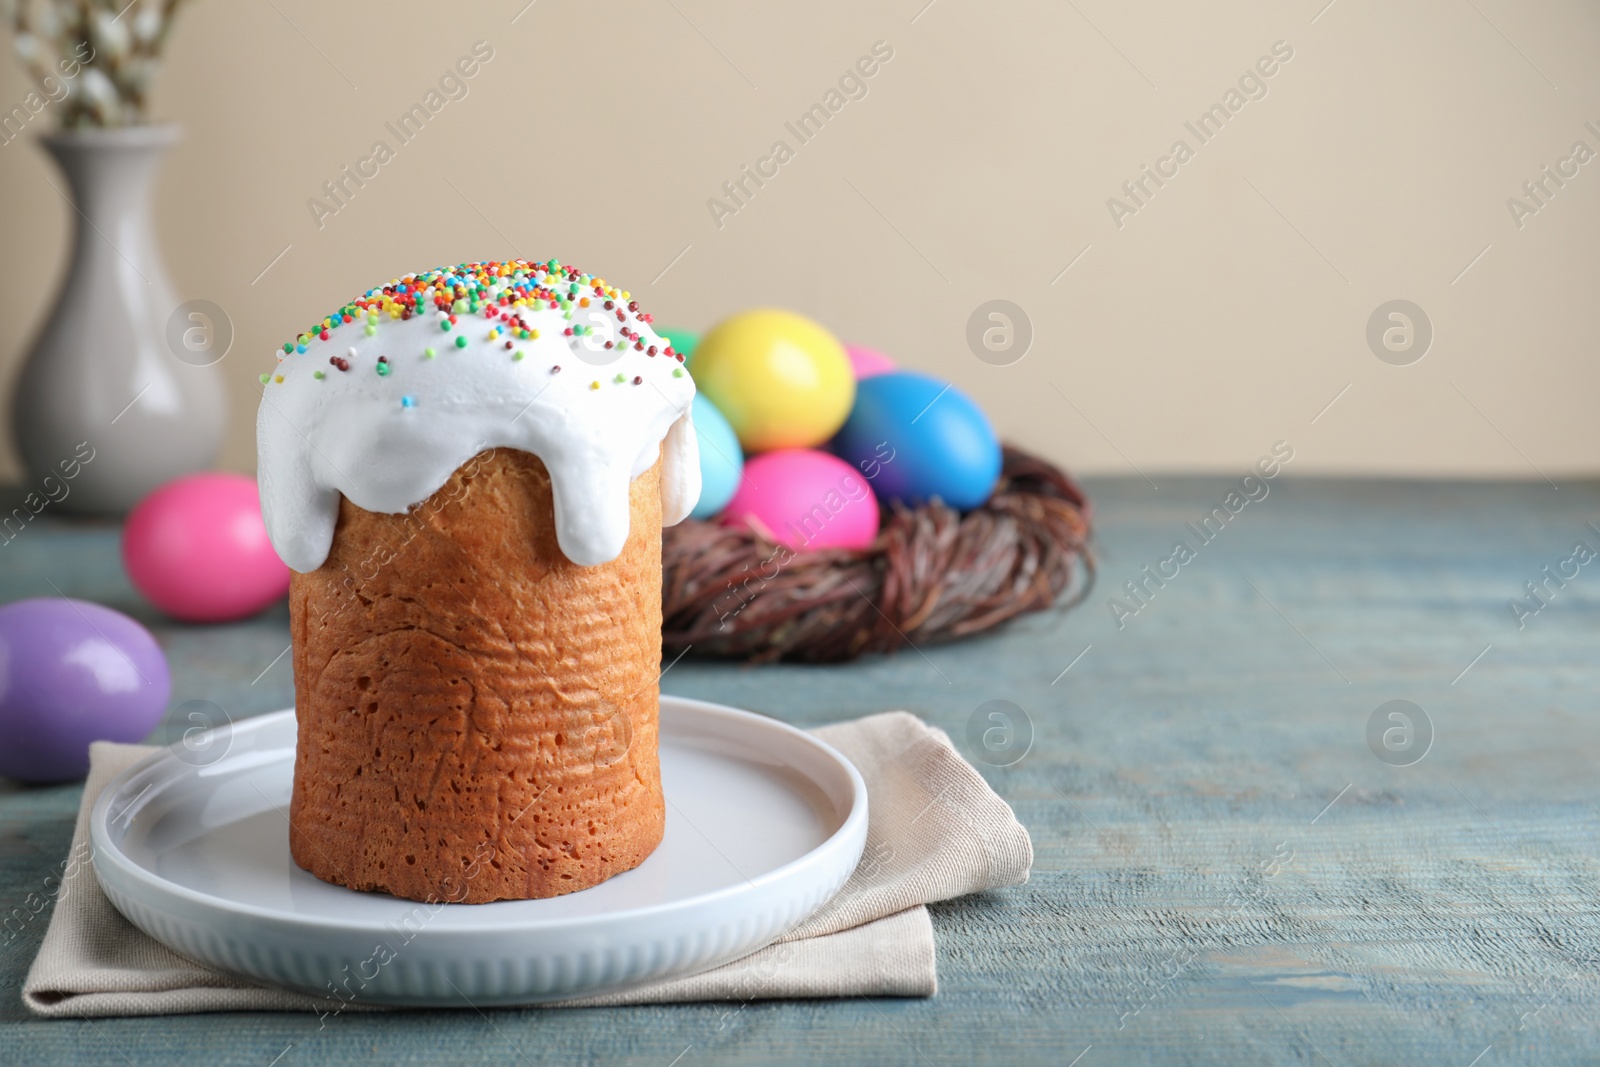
868, 362
75, 672
721, 460
805, 499
197, 548
782, 380
682, 341
915, 437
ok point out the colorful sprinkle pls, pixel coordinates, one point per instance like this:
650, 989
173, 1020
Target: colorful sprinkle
407, 402
318, 375
507, 294
265, 378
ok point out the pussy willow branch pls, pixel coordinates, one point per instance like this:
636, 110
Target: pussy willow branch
123, 55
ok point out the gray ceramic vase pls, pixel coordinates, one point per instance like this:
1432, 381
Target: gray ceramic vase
120, 372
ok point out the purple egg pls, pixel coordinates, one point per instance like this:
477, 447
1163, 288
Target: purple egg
72, 672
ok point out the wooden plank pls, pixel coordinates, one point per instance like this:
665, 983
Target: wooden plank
1226, 872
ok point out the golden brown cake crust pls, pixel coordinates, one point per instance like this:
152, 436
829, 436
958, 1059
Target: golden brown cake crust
477, 714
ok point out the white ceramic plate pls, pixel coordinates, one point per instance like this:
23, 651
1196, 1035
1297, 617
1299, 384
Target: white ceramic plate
764, 825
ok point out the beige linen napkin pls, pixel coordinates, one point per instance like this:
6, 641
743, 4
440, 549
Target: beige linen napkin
935, 831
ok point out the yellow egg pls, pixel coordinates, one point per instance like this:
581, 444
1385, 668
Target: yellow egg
782, 380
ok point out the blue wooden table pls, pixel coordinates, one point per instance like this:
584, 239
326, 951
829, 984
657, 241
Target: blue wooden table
1242, 857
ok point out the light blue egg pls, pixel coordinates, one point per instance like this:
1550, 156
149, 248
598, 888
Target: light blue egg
914, 437
721, 461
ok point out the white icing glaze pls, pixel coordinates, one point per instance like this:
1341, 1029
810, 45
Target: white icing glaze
349, 432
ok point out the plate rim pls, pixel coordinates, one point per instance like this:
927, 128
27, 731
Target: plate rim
852, 827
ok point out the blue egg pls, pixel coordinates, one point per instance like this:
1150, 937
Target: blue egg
721, 462
914, 437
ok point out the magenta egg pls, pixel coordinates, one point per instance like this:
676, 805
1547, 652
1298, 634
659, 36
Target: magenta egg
805, 499
868, 362
72, 672
197, 548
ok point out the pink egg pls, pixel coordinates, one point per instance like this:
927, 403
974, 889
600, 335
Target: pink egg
805, 499
868, 362
197, 548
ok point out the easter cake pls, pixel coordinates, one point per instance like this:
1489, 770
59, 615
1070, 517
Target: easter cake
468, 471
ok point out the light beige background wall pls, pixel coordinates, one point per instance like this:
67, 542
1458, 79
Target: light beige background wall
1224, 315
